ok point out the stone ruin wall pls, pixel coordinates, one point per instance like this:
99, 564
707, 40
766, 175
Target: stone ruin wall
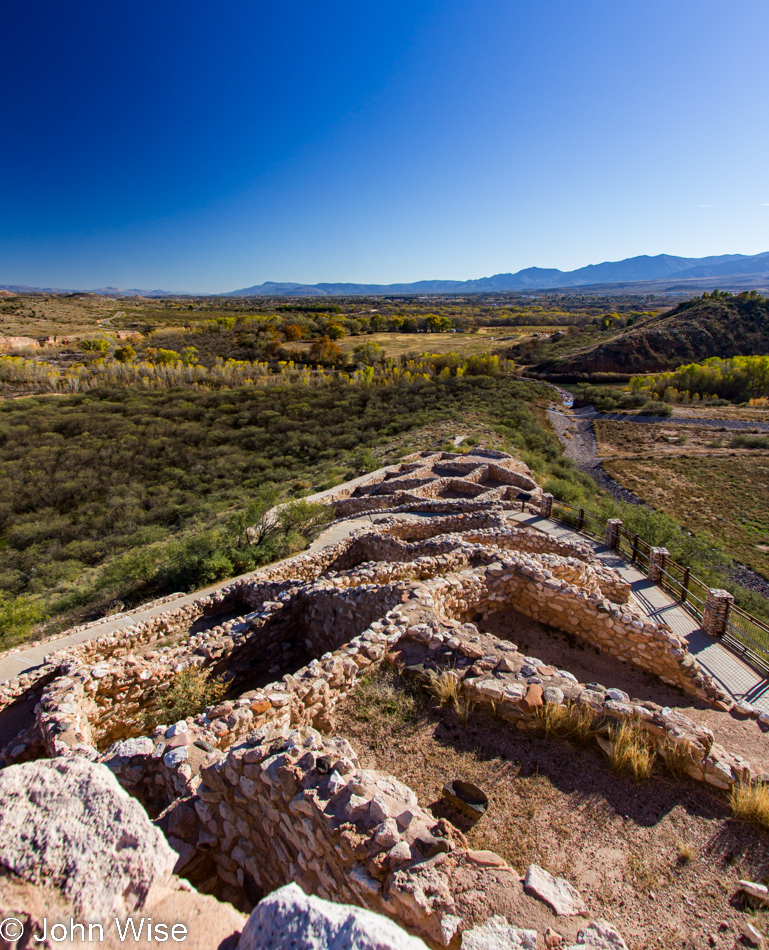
564, 596
250, 786
415, 482
300, 809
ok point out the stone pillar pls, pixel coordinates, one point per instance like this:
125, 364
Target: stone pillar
716, 611
546, 505
611, 538
658, 562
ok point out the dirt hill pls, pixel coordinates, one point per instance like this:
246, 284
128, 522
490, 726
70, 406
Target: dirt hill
695, 330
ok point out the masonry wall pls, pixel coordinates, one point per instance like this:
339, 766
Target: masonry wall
300, 809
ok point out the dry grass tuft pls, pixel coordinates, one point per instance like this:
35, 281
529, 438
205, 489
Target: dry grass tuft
580, 723
574, 723
643, 873
686, 852
631, 751
551, 717
447, 690
444, 687
383, 695
677, 757
750, 802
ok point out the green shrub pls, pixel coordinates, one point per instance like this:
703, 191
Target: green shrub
564, 490
655, 408
190, 693
750, 442
702, 552
306, 518
17, 616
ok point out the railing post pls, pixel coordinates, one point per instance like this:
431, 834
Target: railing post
658, 562
546, 506
634, 558
581, 519
716, 612
685, 585
611, 538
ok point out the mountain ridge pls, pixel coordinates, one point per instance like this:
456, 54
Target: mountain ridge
640, 274
642, 268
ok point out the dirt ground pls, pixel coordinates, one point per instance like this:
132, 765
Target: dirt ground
661, 859
727, 413
627, 439
738, 733
728, 497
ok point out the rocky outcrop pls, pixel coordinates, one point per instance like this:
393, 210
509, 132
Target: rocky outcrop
69, 824
75, 847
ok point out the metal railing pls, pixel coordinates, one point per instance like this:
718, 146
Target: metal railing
579, 519
745, 634
686, 587
749, 635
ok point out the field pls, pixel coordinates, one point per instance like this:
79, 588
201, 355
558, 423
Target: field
37, 317
726, 413
399, 344
698, 477
629, 439
727, 495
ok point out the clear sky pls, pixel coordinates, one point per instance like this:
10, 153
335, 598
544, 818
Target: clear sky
210, 146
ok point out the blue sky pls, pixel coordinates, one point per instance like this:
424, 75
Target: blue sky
206, 147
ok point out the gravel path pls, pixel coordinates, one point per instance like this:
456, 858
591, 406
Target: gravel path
582, 448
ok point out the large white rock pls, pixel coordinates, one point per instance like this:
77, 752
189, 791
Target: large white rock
498, 934
564, 899
68, 823
290, 920
599, 935
759, 891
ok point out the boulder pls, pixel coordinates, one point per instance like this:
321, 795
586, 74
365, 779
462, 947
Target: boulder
599, 935
556, 892
752, 935
67, 822
290, 920
753, 889
498, 934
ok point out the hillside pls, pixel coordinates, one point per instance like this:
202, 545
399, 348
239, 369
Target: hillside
695, 330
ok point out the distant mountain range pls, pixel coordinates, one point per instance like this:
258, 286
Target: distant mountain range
664, 273
99, 292
634, 270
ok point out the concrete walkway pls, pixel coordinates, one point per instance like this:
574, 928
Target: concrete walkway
731, 674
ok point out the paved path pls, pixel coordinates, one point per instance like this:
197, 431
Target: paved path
734, 676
